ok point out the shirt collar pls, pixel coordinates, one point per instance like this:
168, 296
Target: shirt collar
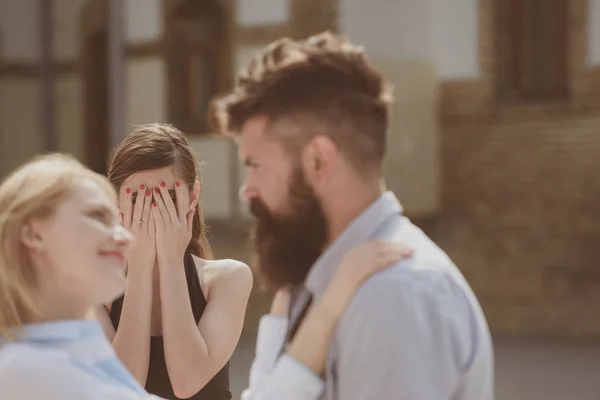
361, 229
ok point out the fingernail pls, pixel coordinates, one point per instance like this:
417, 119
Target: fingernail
162, 184
177, 184
148, 192
127, 190
156, 190
142, 187
153, 204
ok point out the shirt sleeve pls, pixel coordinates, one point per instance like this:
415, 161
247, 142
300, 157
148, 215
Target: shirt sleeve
269, 343
289, 380
273, 377
395, 342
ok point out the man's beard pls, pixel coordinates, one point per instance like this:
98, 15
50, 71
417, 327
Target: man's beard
287, 246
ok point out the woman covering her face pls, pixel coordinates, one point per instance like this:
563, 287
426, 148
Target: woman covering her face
182, 312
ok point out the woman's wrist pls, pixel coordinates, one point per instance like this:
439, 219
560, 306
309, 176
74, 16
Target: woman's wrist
309, 346
336, 298
281, 303
137, 271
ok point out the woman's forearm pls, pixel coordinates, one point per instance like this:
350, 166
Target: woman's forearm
186, 353
132, 338
311, 343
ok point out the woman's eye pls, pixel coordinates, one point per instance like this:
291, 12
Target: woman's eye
100, 216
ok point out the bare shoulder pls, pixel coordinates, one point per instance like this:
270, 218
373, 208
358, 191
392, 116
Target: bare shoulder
226, 272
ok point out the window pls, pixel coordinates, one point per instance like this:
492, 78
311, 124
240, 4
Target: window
196, 51
531, 50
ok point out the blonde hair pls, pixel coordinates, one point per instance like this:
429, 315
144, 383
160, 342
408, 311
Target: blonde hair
34, 190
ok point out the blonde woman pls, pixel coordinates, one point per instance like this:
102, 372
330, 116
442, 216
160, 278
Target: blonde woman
63, 252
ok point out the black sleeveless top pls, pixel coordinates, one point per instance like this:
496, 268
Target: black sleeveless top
158, 381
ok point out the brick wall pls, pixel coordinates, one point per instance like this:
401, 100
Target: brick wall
521, 219
521, 208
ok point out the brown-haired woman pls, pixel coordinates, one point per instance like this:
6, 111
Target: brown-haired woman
182, 313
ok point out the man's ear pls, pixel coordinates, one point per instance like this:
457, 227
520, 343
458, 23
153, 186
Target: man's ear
319, 158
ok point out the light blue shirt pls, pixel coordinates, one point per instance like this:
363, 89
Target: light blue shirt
73, 360
414, 331
64, 360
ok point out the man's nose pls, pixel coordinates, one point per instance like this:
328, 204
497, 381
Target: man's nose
246, 193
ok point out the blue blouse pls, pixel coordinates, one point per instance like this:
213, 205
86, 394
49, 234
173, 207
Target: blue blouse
64, 360
73, 360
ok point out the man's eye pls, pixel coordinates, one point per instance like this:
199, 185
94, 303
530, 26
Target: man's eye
250, 164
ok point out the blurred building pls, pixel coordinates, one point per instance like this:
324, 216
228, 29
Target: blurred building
494, 146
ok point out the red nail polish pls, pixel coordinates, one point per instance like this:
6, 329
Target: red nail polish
162, 184
127, 190
153, 204
148, 192
156, 190
142, 187
177, 184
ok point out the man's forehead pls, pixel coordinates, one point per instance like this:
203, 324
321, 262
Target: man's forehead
254, 129
253, 137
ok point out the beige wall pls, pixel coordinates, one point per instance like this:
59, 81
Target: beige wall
143, 20
412, 164
408, 61
593, 32
217, 190
455, 38
145, 91
243, 54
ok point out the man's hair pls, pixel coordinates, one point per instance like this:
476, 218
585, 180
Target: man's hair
322, 85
